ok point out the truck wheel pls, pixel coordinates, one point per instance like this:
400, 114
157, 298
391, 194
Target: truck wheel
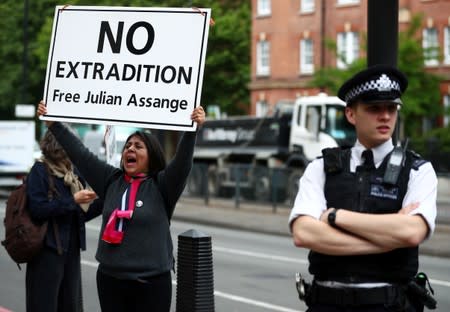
293, 184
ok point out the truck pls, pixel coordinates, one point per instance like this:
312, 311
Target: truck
17, 151
264, 157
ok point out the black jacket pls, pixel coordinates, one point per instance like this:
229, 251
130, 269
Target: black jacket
146, 249
62, 208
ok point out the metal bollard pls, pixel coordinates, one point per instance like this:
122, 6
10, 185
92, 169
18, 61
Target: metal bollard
195, 280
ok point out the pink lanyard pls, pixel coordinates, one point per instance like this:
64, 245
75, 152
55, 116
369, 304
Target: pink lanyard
111, 234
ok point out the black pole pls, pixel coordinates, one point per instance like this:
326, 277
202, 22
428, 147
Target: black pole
195, 276
382, 32
25, 53
382, 38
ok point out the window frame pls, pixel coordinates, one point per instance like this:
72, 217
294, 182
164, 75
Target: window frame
306, 49
347, 2
263, 58
446, 103
447, 45
263, 8
430, 40
307, 6
262, 108
348, 47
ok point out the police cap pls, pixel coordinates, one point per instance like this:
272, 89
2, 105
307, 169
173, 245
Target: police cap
379, 83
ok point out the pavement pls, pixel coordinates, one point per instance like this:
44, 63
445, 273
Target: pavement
264, 218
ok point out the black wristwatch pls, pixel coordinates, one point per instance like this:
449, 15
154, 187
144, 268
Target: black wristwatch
332, 217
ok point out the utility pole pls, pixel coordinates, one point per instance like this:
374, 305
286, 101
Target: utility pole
382, 39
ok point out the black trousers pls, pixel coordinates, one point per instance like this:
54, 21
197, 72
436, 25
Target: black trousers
153, 294
53, 282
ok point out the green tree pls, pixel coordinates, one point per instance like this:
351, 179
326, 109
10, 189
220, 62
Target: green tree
422, 97
15, 87
227, 60
227, 70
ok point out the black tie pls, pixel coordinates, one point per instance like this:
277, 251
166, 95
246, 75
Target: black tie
368, 163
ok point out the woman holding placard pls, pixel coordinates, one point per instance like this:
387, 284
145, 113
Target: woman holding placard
135, 250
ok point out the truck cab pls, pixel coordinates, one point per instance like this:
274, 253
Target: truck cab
318, 122
264, 157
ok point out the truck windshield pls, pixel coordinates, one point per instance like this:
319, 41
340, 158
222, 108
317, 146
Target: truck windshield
338, 127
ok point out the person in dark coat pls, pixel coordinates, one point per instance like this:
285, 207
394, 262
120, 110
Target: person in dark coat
53, 277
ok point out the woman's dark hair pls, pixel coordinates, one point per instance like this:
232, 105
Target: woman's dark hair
51, 149
156, 159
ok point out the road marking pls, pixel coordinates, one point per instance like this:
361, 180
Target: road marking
266, 256
91, 226
258, 255
236, 251
260, 304
89, 263
439, 282
217, 293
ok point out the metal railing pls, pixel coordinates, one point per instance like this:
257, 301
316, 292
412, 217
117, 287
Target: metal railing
269, 188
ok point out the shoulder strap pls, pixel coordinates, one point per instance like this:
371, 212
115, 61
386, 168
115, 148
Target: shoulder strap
417, 160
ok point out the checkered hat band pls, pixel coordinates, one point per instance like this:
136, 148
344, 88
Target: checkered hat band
372, 85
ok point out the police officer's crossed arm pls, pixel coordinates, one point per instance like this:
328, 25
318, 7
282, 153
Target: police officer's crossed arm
407, 228
359, 233
310, 232
319, 236
388, 231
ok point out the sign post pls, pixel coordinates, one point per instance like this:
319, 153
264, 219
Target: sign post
126, 66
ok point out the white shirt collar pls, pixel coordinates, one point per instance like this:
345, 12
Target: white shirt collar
379, 152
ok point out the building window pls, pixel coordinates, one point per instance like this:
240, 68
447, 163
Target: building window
263, 7
446, 110
430, 46
263, 58
447, 45
306, 56
306, 6
262, 107
347, 2
347, 48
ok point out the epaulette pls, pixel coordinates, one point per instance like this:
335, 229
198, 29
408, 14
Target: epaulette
417, 160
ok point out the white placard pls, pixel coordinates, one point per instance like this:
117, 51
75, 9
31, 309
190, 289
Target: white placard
126, 66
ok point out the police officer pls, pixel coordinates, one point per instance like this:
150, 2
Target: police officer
363, 226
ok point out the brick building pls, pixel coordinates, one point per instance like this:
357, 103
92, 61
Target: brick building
288, 46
